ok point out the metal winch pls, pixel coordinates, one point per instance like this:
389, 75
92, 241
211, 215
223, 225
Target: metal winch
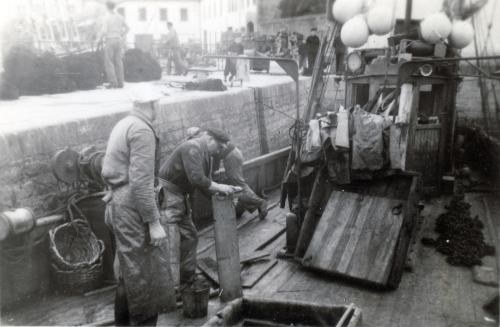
70, 166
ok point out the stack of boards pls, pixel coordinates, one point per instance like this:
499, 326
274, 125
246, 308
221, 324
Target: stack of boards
358, 237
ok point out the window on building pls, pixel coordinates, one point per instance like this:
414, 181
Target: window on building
184, 15
163, 14
142, 14
121, 11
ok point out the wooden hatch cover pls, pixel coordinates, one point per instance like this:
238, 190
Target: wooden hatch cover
357, 237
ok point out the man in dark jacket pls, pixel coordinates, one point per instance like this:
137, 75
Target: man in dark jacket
233, 161
145, 285
312, 46
189, 168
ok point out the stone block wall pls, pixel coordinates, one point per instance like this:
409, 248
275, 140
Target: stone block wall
25, 162
468, 105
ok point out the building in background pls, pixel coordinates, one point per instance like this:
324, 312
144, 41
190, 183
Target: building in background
44, 25
147, 20
218, 15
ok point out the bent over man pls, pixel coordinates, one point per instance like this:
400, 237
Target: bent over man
188, 168
233, 166
145, 285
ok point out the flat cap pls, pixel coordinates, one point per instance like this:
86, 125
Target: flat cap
218, 135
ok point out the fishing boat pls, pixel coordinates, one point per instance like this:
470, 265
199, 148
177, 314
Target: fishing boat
346, 246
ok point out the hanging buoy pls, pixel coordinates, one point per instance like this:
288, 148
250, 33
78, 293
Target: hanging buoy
355, 32
343, 10
379, 20
435, 28
462, 34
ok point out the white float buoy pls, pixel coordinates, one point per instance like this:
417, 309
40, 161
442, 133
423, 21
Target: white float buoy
343, 10
379, 20
462, 34
355, 32
435, 28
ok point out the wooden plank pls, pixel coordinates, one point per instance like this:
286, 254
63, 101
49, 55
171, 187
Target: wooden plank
383, 259
251, 274
356, 237
226, 246
208, 267
254, 256
343, 264
372, 242
330, 228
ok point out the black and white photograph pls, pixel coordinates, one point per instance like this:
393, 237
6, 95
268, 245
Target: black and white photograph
272, 163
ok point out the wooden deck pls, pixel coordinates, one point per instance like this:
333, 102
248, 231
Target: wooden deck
434, 294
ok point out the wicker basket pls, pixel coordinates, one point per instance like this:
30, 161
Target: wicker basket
80, 280
74, 246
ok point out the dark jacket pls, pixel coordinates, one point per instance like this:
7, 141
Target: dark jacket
188, 167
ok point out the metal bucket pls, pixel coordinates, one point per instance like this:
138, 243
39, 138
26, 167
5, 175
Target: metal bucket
195, 300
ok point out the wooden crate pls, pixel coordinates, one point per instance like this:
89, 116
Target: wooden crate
285, 313
361, 235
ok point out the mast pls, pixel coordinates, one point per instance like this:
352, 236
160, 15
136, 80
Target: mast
409, 5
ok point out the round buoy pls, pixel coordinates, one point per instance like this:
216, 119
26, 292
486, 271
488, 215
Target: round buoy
435, 28
343, 10
379, 20
355, 32
462, 34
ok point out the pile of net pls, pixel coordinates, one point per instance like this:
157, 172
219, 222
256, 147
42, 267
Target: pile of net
211, 84
140, 66
29, 73
460, 235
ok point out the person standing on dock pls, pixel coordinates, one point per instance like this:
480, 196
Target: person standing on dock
312, 46
113, 32
145, 286
189, 168
174, 47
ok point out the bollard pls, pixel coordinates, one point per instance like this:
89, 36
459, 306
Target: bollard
227, 247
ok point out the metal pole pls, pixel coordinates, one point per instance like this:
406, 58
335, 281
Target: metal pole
298, 132
409, 5
484, 94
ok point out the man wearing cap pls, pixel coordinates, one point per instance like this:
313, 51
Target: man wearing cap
312, 45
232, 158
130, 164
112, 33
188, 168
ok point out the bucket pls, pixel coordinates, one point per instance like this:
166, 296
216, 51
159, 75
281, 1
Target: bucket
195, 300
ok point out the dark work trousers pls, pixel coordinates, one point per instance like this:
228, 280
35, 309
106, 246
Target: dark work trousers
178, 212
122, 316
311, 58
113, 61
230, 68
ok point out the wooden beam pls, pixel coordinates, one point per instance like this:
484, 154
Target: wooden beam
226, 247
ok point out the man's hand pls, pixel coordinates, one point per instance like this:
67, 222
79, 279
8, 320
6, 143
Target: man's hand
227, 189
223, 188
156, 233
